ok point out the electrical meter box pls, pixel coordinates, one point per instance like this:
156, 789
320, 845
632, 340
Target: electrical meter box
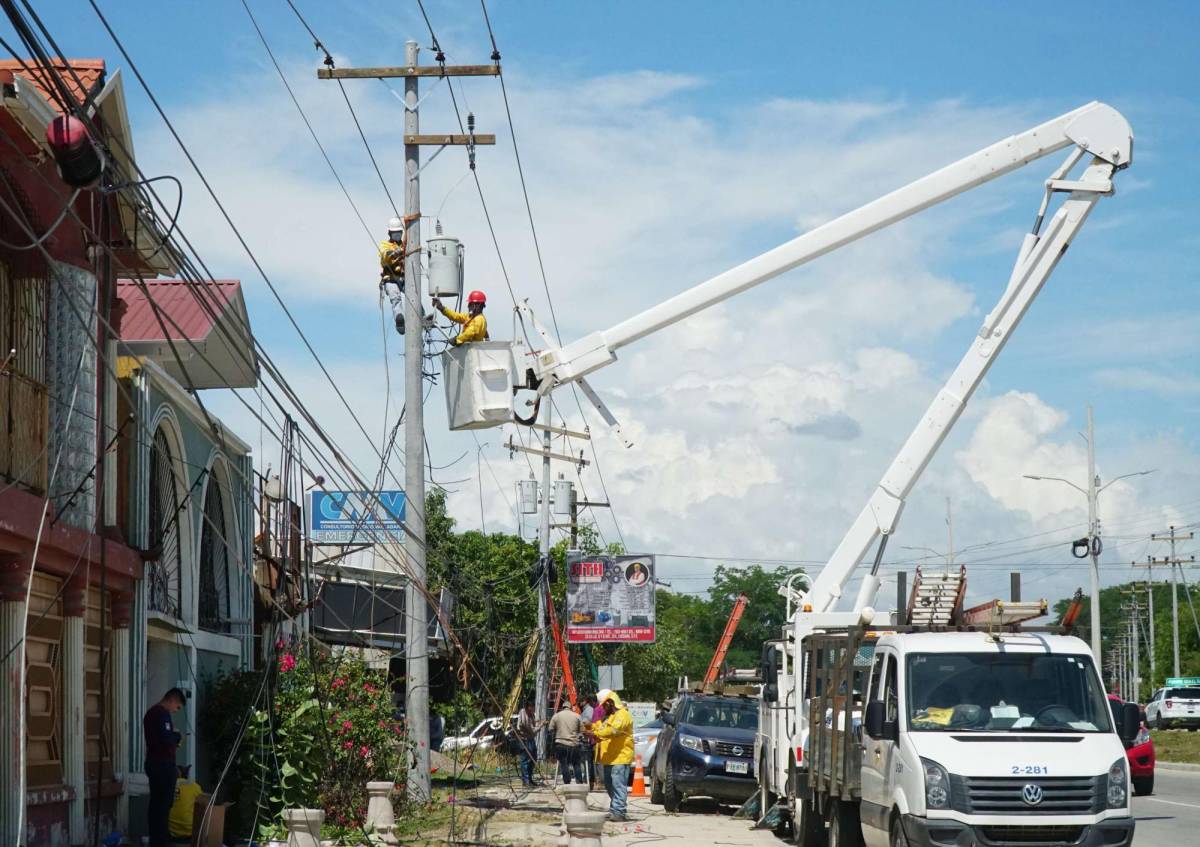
479, 384
445, 266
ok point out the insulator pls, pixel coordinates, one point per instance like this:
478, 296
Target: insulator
470, 122
79, 162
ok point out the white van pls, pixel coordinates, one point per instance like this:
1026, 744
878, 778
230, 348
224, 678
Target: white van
966, 738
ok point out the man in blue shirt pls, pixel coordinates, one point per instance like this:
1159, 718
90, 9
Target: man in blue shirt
161, 743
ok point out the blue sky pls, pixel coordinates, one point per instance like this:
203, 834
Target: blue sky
664, 142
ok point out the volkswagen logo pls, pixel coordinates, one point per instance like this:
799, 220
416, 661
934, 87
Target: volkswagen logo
738, 751
1031, 794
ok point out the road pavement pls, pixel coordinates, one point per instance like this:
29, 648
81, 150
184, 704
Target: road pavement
1170, 817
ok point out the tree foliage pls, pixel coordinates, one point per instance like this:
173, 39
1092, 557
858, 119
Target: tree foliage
1113, 619
492, 577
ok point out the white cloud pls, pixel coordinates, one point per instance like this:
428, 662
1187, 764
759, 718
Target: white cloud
761, 425
1149, 381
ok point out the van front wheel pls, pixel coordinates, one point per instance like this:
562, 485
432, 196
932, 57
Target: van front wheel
844, 829
897, 839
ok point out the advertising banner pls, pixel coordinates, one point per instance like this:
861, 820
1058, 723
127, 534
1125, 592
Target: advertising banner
356, 517
610, 598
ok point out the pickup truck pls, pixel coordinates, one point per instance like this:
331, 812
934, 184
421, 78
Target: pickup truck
705, 748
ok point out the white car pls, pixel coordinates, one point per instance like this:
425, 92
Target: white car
1174, 705
645, 739
482, 737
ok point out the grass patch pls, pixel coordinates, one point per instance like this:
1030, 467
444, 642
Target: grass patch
1176, 745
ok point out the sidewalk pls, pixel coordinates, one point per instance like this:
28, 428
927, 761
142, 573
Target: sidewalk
535, 816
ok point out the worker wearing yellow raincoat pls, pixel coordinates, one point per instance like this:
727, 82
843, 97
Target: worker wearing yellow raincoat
614, 738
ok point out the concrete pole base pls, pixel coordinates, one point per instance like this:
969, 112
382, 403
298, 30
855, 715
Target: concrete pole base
381, 817
584, 828
303, 826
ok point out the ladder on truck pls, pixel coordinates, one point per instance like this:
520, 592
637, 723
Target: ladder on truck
718, 659
937, 598
1000, 613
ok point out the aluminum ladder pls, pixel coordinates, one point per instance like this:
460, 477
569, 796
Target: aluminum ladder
937, 598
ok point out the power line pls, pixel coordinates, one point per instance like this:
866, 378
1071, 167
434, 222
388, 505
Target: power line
307, 122
229, 220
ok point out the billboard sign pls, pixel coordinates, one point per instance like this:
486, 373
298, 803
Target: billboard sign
356, 517
610, 598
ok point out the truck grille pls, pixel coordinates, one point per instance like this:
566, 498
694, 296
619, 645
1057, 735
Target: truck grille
1027, 836
1062, 795
726, 748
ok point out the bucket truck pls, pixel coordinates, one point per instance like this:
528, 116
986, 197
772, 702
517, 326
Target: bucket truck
913, 772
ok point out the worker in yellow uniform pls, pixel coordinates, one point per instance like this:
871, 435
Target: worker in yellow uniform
614, 739
474, 324
182, 818
393, 254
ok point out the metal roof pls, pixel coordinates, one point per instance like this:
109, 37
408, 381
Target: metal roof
180, 304
209, 318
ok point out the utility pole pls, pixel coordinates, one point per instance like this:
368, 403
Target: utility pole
1174, 561
1092, 540
416, 652
576, 505
543, 660
542, 694
1150, 605
949, 536
1133, 626
1093, 495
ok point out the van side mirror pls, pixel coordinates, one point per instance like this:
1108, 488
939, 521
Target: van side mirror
873, 723
771, 692
668, 719
1130, 722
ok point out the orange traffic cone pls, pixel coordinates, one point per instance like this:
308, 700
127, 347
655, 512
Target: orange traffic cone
639, 779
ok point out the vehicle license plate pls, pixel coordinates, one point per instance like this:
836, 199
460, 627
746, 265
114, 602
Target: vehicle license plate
737, 767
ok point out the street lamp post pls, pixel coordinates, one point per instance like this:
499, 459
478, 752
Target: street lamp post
1092, 493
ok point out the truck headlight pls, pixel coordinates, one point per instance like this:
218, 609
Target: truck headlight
691, 742
937, 785
1117, 780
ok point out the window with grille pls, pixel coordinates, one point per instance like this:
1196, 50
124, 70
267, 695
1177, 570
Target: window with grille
163, 574
23, 392
214, 562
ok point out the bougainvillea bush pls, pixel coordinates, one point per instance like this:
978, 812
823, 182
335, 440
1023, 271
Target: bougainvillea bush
326, 730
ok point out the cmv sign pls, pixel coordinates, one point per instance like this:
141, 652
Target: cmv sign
347, 517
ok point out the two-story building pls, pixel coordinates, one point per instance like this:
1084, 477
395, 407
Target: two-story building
125, 508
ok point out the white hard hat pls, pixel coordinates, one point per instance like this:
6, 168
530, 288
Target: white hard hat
603, 694
395, 225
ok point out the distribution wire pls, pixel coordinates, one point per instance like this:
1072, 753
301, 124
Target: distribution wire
229, 220
466, 657
307, 123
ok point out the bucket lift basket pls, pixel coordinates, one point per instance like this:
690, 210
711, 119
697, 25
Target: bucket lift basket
479, 381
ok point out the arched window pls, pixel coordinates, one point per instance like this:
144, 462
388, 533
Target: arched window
163, 575
214, 561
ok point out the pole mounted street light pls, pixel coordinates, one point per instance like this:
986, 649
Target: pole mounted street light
1092, 493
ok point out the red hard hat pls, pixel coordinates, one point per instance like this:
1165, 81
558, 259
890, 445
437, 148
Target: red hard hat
477, 297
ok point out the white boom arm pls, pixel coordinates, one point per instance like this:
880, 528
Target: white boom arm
1096, 128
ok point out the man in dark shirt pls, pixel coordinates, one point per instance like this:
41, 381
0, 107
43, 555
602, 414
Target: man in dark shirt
161, 742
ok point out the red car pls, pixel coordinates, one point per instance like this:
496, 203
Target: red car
1140, 754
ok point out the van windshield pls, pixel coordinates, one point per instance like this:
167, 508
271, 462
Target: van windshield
1013, 692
